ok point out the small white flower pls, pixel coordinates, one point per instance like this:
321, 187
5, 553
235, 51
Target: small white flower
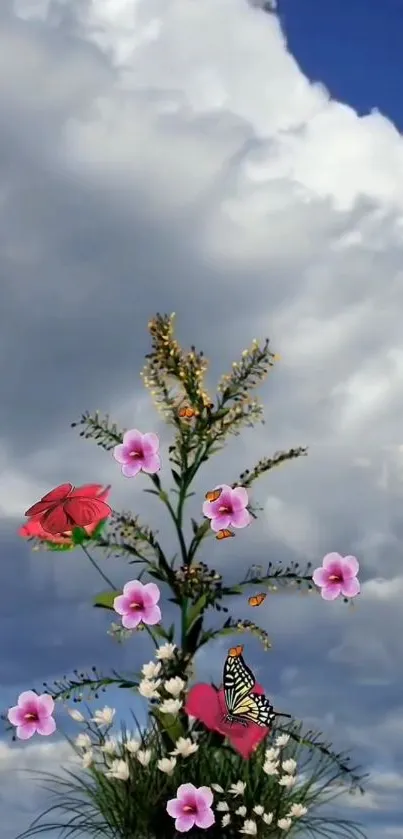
249, 827
226, 820
270, 768
104, 717
289, 766
175, 686
149, 688
297, 810
241, 811
87, 759
287, 781
170, 706
119, 769
165, 652
222, 807
282, 740
132, 746
216, 788
77, 716
184, 747
83, 741
284, 824
267, 818
110, 746
271, 754
259, 810
144, 756
151, 670
238, 788
167, 765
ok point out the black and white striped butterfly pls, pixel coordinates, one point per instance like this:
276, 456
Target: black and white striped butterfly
242, 705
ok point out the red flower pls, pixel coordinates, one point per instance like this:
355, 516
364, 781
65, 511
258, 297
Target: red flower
207, 704
66, 507
34, 527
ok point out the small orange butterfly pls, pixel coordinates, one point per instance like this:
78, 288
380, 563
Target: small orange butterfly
224, 534
213, 495
257, 599
187, 412
235, 652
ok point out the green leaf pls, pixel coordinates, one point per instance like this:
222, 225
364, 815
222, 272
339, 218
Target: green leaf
194, 612
156, 481
105, 600
151, 491
170, 724
176, 477
195, 526
79, 536
51, 546
161, 632
99, 529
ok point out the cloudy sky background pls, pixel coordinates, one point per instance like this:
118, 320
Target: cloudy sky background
172, 155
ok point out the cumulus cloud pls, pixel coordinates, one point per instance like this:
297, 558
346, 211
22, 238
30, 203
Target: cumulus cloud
146, 166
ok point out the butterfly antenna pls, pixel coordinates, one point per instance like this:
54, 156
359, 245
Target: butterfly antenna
279, 714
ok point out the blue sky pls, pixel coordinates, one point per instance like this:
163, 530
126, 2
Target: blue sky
180, 157
353, 48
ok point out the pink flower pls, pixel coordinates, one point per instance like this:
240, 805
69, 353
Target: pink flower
66, 507
138, 452
338, 575
207, 704
229, 510
191, 807
34, 527
32, 714
138, 603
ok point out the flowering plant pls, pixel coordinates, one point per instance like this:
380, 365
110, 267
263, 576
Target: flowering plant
198, 765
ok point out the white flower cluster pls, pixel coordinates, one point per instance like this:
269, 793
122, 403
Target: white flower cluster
273, 765
112, 751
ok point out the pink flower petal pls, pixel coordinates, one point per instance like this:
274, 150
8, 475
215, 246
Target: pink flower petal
121, 604
46, 726
331, 561
174, 807
204, 797
131, 619
186, 793
120, 453
241, 518
320, 577
151, 464
204, 818
184, 823
130, 470
133, 440
28, 697
150, 443
225, 499
151, 594
133, 589
350, 566
15, 715
207, 510
220, 522
151, 615
350, 588
202, 703
46, 705
331, 591
24, 732
239, 498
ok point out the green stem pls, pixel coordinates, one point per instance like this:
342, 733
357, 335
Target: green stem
151, 634
96, 566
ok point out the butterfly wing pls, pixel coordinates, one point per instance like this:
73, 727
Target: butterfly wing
255, 708
238, 681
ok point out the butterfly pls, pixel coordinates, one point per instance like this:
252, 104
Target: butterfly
224, 534
213, 495
257, 599
242, 705
187, 412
